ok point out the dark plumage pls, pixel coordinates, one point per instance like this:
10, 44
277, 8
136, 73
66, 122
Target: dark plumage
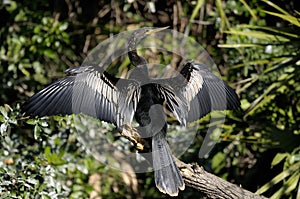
192, 94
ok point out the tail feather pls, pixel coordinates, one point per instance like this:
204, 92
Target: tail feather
167, 176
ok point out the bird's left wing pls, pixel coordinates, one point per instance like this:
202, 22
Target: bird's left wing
89, 91
195, 92
204, 91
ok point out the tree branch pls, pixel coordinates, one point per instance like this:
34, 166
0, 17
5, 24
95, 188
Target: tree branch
194, 176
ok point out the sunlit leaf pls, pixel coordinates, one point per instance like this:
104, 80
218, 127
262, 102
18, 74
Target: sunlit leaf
218, 161
294, 158
53, 158
276, 7
291, 183
251, 11
63, 26
196, 9
31, 121
258, 34
289, 18
278, 178
50, 53
278, 158
3, 128
288, 186
275, 30
12, 6
3, 112
245, 104
238, 45
224, 20
37, 132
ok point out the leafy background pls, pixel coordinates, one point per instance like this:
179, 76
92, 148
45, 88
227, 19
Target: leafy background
255, 44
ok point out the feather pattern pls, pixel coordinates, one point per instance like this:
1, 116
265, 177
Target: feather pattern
206, 92
86, 90
167, 176
195, 92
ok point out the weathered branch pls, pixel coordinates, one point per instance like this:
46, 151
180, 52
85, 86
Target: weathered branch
211, 185
195, 176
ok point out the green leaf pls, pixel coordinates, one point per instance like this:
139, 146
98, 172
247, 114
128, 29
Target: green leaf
289, 18
224, 19
251, 11
276, 7
245, 104
53, 158
50, 53
291, 183
63, 26
3, 128
196, 9
277, 31
43, 123
258, 34
288, 187
31, 121
23, 70
218, 162
37, 29
3, 112
37, 132
12, 6
278, 158
47, 152
294, 158
238, 45
281, 176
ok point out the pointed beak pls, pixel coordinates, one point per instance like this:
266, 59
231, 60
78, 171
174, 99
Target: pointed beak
156, 30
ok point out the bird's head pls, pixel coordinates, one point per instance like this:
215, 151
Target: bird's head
135, 38
140, 34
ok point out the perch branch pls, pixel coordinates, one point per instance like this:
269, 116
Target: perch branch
194, 175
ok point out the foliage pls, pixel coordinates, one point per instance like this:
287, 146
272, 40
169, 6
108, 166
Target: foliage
45, 164
31, 45
268, 69
254, 43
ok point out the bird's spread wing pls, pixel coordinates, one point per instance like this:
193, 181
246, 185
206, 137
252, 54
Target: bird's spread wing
206, 92
200, 91
86, 90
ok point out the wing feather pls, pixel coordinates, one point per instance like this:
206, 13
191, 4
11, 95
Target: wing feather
86, 90
206, 92
199, 92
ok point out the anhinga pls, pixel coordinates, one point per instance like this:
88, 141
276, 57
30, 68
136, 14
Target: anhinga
192, 94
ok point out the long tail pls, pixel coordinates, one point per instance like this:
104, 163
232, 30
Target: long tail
167, 176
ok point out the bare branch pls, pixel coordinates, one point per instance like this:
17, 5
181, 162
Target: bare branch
195, 176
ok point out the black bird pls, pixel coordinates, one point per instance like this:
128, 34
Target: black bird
192, 94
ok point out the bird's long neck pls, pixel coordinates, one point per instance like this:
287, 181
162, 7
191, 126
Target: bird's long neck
139, 62
135, 59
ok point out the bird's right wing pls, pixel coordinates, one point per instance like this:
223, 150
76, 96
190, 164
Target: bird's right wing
87, 90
